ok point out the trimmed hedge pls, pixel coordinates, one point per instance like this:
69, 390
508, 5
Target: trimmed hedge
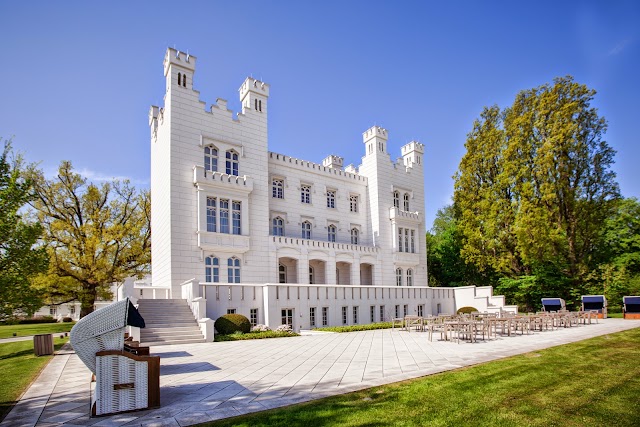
253, 336
230, 323
466, 310
355, 328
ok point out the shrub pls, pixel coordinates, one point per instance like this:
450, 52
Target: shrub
67, 319
230, 323
39, 319
466, 310
284, 328
260, 328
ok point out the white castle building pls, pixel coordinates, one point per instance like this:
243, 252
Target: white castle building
237, 228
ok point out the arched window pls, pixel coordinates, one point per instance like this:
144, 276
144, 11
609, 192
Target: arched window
179, 79
278, 226
409, 277
184, 80
282, 274
398, 277
396, 199
277, 188
232, 163
210, 159
233, 270
211, 269
406, 202
312, 276
355, 234
331, 234
306, 230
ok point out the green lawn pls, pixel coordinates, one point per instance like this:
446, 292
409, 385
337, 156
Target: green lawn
19, 367
590, 383
7, 331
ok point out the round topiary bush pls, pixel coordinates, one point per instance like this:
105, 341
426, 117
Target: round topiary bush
466, 310
230, 323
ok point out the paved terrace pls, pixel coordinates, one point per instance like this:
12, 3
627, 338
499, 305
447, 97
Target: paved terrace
202, 382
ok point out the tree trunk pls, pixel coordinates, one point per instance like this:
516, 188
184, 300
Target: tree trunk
87, 301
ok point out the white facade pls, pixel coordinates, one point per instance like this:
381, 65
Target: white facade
225, 210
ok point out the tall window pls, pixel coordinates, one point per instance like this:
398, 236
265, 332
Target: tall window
400, 238
406, 240
397, 311
354, 236
278, 188
306, 230
372, 314
53, 310
421, 310
232, 163
398, 277
211, 214
305, 194
312, 276
210, 159
413, 241
331, 235
382, 313
253, 316
405, 310
312, 317
353, 203
224, 216
409, 277
406, 202
282, 273
355, 314
236, 211
396, 199
233, 270
325, 316
278, 226
287, 316
344, 316
331, 199
211, 269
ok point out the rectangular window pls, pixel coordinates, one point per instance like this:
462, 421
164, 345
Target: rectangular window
406, 310
312, 317
253, 316
438, 308
287, 316
353, 203
331, 199
325, 316
413, 241
231, 311
224, 216
141, 293
406, 240
400, 234
211, 214
421, 310
344, 315
53, 311
372, 314
382, 313
397, 311
72, 309
236, 217
277, 189
305, 194
355, 314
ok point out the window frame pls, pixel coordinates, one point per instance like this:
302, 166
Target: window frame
277, 188
232, 162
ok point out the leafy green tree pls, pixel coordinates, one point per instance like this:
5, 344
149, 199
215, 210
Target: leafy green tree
535, 186
20, 257
95, 235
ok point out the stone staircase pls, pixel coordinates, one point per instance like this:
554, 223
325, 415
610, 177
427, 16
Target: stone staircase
168, 321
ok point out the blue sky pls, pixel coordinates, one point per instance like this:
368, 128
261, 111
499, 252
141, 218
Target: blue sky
78, 77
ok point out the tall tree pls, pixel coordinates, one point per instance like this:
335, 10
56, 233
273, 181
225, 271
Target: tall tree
535, 185
20, 257
95, 235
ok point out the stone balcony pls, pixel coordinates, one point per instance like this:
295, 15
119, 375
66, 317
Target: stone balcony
297, 242
396, 214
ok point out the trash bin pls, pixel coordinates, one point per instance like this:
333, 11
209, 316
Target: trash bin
43, 344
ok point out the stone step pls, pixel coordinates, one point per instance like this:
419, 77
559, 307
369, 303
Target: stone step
173, 342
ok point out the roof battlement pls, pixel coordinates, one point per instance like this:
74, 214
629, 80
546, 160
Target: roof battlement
182, 59
253, 85
375, 131
412, 146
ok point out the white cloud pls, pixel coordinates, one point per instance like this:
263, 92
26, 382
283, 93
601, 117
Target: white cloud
101, 177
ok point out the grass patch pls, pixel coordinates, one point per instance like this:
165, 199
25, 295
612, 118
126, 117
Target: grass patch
253, 336
7, 331
19, 367
615, 315
592, 382
354, 328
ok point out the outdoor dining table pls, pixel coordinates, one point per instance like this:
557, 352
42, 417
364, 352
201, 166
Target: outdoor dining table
467, 328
